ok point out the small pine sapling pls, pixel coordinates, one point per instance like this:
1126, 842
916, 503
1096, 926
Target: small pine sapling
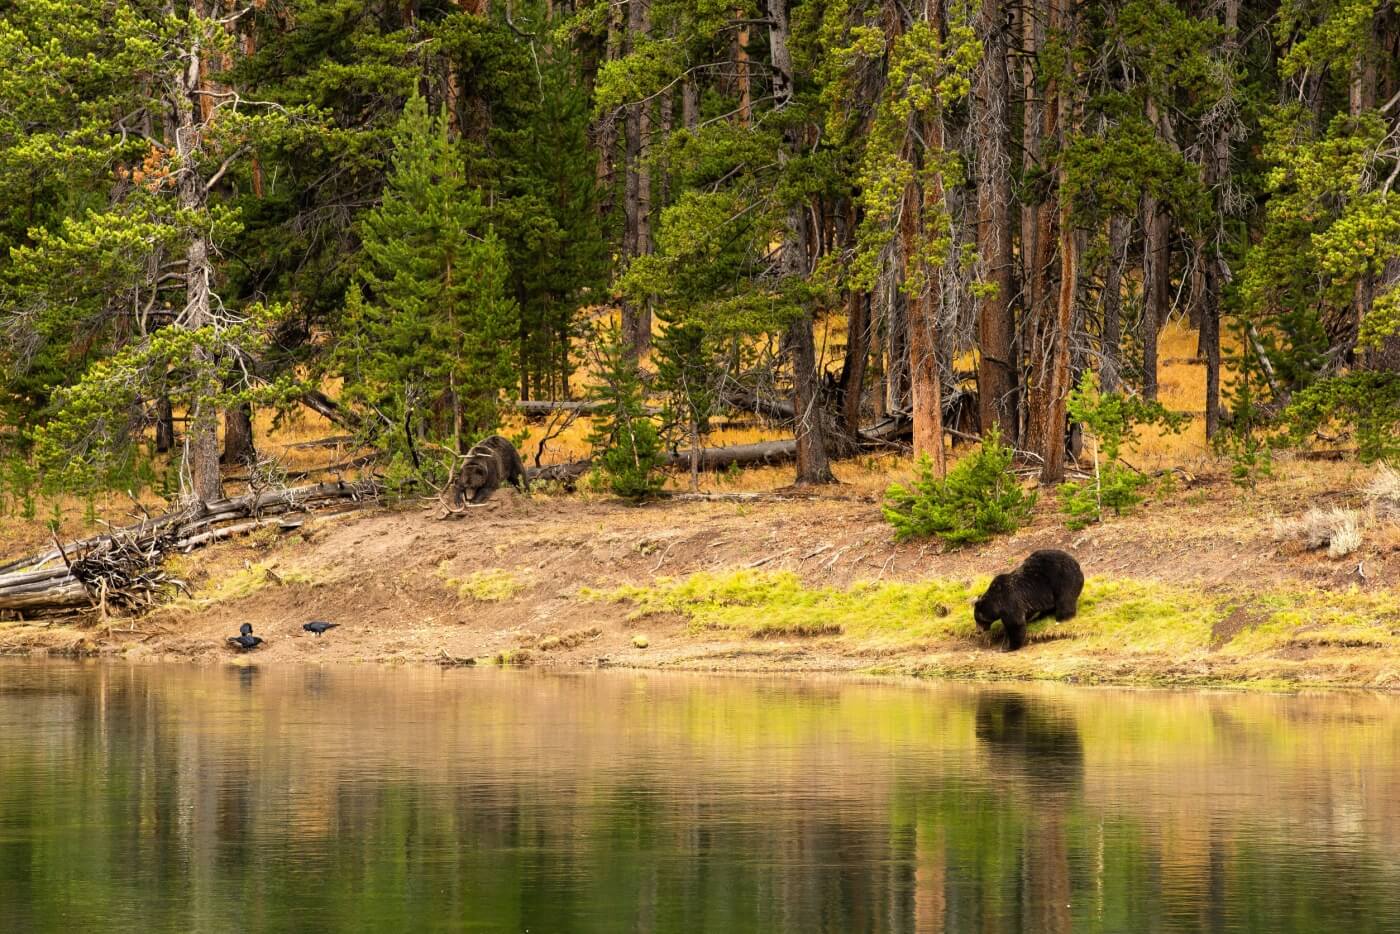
631, 455
1111, 421
981, 497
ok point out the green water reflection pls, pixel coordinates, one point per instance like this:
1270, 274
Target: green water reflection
208, 800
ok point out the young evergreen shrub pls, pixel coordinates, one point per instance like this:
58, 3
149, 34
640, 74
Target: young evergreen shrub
425, 338
1251, 458
22, 481
1116, 487
630, 453
980, 498
1366, 402
1111, 421
631, 465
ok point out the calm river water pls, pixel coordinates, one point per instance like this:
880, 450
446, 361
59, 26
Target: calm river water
168, 799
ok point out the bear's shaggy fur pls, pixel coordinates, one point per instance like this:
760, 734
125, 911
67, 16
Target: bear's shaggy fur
487, 465
1047, 582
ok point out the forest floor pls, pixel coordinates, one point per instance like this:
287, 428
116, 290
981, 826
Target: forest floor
1190, 589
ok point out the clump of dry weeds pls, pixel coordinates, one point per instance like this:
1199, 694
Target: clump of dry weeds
1337, 530
568, 640
1342, 531
1383, 494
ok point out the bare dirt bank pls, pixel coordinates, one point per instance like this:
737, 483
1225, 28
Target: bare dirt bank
1192, 590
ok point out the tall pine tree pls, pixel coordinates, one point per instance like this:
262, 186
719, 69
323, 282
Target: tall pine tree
425, 340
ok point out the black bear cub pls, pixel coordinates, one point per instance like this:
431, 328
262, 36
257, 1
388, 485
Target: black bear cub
1048, 581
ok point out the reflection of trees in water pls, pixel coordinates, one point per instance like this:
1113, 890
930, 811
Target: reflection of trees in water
1034, 748
203, 801
994, 852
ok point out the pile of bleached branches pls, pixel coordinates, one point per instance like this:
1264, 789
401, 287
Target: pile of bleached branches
123, 569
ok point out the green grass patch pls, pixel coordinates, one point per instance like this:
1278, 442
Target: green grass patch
489, 586
1349, 618
1119, 618
1127, 615
243, 583
776, 604
1120, 614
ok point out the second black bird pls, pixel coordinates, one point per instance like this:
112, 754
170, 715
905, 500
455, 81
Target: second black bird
245, 640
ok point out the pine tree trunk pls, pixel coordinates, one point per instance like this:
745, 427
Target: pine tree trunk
1110, 359
694, 454
1038, 331
996, 323
813, 466
1210, 340
1031, 40
238, 435
605, 133
636, 317
663, 184
641, 334
926, 387
1057, 366
165, 426
854, 366
200, 473
1156, 225
741, 63
925, 382
895, 316
1361, 97
1038, 347
690, 104
1157, 301
1217, 177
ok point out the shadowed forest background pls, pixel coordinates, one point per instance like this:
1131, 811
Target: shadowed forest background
864, 222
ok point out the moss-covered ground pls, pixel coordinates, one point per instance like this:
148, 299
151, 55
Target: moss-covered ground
1172, 633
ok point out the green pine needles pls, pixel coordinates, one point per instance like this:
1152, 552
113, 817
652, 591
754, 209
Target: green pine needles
1111, 420
427, 328
980, 498
630, 453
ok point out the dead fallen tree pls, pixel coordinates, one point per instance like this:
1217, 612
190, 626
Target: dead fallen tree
734, 398
750, 400
123, 569
765, 453
565, 473
885, 433
540, 408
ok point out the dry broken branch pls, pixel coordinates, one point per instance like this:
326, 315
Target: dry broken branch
123, 569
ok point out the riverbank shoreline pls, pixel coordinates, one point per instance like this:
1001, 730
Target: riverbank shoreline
1193, 590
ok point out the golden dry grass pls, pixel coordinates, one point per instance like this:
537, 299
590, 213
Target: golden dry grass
284, 438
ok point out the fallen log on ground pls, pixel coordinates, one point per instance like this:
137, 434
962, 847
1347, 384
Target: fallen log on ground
355, 463
751, 401
741, 399
326, 407
539, 408
334, 441
884, 433
565, 473
122, 569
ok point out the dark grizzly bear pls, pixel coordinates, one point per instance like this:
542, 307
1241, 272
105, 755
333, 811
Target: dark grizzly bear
1048, 582
487, 465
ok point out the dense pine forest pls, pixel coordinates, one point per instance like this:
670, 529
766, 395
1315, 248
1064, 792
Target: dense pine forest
411, 216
